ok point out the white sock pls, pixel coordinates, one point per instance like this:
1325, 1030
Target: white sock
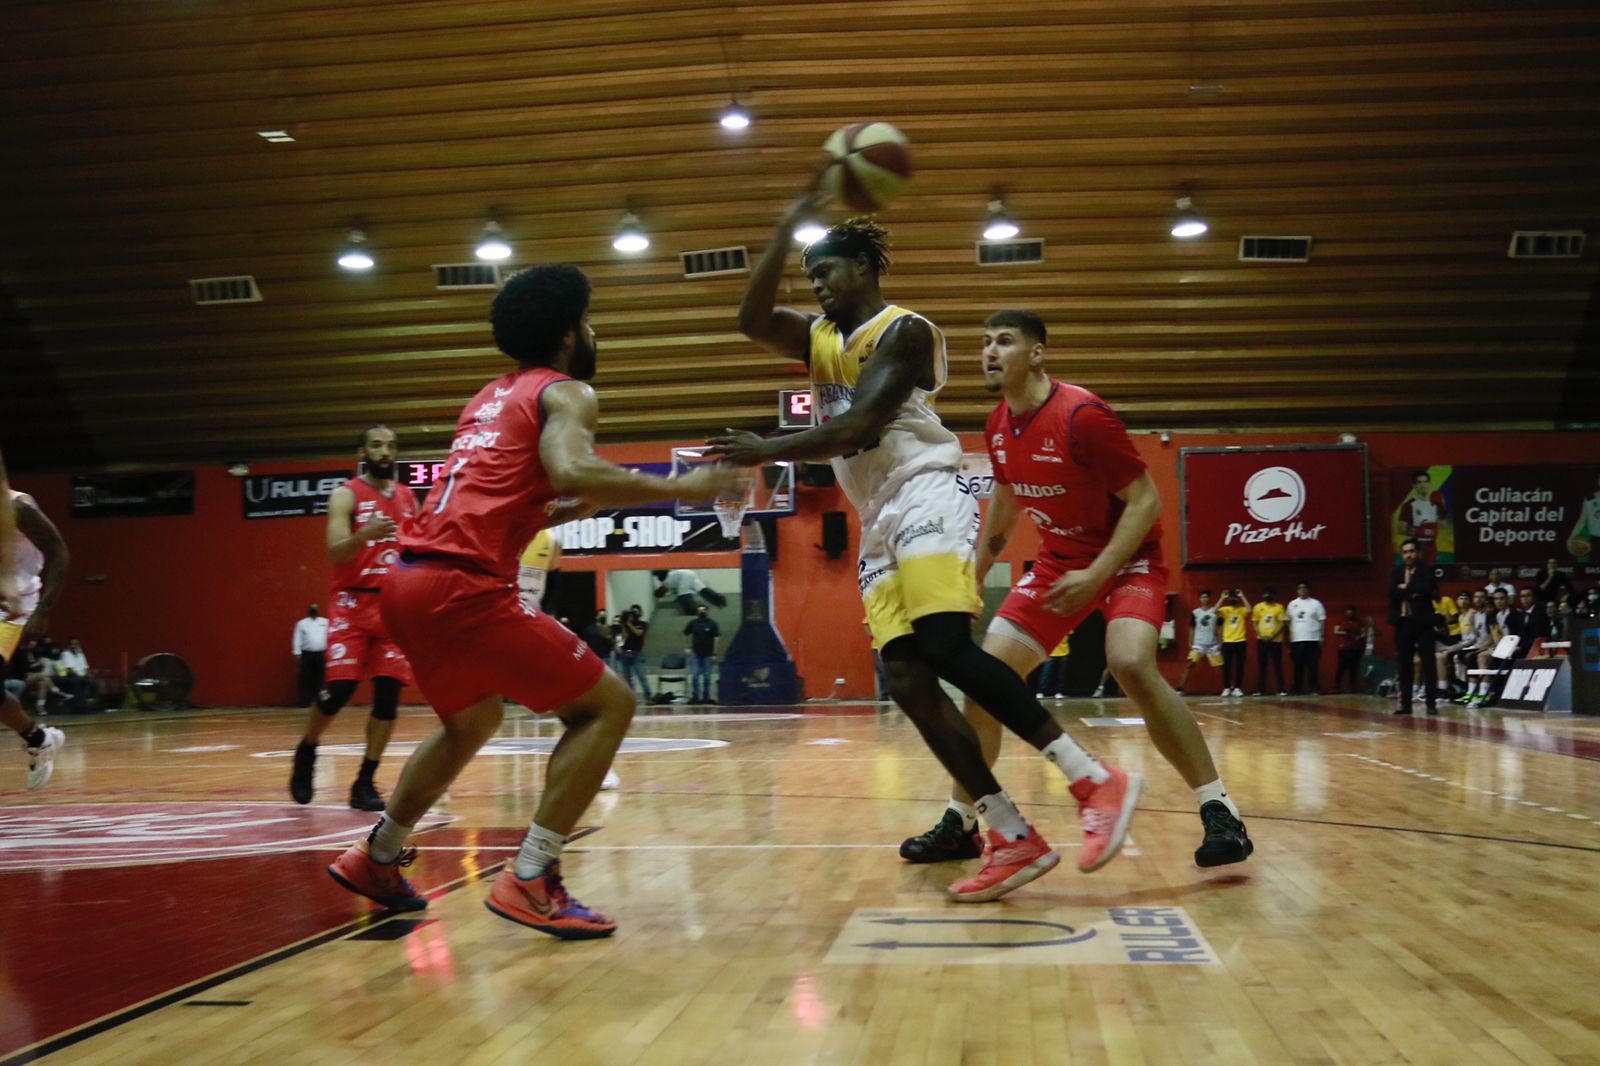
387, 839
969, 814
539, 849
1214, 791
1073, 761
1003, 816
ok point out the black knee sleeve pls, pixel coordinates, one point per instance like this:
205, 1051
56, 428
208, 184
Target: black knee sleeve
944, 642
385, 698
331, 700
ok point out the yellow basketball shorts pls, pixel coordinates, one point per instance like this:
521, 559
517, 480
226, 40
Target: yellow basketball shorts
10, 637
1212, 654
919, 555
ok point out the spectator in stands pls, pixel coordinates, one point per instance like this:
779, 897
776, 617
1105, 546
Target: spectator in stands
1412, 592
1352, 633
1552, 625
1496, 584
1307, 620
702, 632
599, 636
1554, 585
1234, 610
1269, 617
38, 661
1452, 633
73, 677
310, 646
1526, 621
1476, 642
1589, 606
631, 658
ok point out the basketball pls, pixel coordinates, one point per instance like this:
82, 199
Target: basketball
871, 165
1579, 547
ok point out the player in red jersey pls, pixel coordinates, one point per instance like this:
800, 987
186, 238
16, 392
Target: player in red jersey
1061, 455
526, 439
365, 516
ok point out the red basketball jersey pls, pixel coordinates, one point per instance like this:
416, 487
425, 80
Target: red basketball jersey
492, 494
366, 568
1065, 460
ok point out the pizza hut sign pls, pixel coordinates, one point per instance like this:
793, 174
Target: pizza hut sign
1282, 504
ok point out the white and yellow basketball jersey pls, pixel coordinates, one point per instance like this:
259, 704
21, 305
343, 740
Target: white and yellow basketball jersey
913, 442
27, 567
533, 568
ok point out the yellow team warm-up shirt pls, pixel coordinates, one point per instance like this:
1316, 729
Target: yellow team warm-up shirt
1450, 613
1232, 624
1268, 618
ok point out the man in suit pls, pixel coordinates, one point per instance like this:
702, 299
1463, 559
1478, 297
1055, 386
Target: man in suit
1412, 590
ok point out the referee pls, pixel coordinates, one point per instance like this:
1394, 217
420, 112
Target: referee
311, 647
1412, 590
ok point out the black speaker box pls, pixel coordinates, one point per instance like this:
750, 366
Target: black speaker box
835, 534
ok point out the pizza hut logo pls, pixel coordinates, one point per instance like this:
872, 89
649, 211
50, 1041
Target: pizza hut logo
1050, 444
1274, 494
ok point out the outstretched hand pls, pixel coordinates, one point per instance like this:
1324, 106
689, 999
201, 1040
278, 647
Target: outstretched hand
737, 446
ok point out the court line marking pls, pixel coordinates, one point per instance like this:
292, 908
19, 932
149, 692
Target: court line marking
1412, 771
116, 1019
1219, 717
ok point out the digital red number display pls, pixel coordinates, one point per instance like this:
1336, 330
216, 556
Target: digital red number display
419, 474
794, 408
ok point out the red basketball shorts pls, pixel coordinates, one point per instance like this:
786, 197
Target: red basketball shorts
468, 637
358, 643
1138, 590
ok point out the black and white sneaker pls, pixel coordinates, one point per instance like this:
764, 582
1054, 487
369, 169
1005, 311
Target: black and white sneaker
1226, 841
945, 842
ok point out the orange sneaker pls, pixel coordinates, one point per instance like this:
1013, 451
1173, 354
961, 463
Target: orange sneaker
380, 882
1105, 810
542, 903
1007, 864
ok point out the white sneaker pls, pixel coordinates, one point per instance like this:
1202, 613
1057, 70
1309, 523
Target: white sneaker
611, 782
42, 760
1237, 692
1099, 693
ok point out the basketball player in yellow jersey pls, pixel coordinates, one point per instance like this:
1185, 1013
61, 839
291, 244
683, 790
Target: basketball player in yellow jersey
542, 555
35, 563
875, 369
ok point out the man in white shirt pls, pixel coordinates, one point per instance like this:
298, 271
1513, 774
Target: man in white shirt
1498, 584
72, 674
1307, 617
310, 647
1206, 643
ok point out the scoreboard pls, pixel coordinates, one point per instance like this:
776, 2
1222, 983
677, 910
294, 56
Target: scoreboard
794, 409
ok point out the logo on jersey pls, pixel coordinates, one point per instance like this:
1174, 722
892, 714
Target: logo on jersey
489, 411
998, 440
1050, 444
1274, 494
499, 392
917, 532
1038, 492
336, 652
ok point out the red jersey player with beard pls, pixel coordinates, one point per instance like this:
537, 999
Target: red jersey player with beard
1062, 455
365, 516
452, 603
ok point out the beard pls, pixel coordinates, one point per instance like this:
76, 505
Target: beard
585, 356
381, 471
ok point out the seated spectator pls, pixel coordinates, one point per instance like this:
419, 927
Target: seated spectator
1589, 606
1458, 634
1527, 622
1497, 585
73, 677
39, 670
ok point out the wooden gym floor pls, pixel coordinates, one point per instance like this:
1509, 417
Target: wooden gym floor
1423, 891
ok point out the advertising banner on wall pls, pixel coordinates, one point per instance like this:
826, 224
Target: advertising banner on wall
290, 495
1300, 503
132, 495
1468, 519
615, 531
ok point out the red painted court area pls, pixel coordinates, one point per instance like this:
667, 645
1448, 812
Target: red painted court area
81, 944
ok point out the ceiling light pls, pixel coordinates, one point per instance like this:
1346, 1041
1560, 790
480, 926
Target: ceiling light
1187, 223
999, 227
492, 245
276, 136
354, 254
734, 117
810, 232
630, 238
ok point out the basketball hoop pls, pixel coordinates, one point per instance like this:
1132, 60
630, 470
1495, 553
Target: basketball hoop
730, 508
761, 491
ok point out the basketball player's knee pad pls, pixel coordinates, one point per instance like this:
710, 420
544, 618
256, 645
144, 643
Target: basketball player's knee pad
385, 698
331, 700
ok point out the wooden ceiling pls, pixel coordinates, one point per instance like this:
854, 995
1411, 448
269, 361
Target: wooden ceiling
1408, 138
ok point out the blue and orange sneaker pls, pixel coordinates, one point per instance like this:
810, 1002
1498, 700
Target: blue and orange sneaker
543, 903
380, 882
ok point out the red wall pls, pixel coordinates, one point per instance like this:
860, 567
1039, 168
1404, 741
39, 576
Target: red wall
225, 593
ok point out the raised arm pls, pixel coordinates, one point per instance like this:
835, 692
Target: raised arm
32, 523
780, 330
567, 448
904, 360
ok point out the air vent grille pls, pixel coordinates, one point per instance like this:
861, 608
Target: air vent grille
1546, 244
1010, 253
211, 291
714, 261
1274, 249
470, 275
